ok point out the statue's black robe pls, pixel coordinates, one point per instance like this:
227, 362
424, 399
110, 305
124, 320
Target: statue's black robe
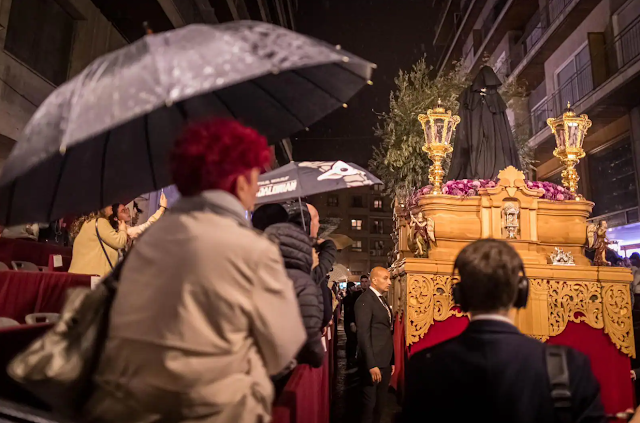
484, 142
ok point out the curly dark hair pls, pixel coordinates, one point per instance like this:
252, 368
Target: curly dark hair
76, 226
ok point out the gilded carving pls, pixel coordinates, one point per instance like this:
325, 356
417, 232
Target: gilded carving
618, 322
604, 306
541, 338
576, 302
428, 299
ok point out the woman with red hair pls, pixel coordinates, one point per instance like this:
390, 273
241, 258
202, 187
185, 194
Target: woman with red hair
205, 311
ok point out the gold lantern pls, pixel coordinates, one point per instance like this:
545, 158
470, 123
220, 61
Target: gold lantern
438, 126
570, 131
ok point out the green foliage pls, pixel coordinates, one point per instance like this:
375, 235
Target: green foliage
400, 161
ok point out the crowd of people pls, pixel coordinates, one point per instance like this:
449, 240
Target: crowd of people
213, 311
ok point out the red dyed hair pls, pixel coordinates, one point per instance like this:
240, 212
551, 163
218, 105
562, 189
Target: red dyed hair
213, 154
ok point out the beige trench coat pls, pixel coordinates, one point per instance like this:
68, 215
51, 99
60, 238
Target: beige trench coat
203, 315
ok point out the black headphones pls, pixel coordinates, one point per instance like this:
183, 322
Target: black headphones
522, 294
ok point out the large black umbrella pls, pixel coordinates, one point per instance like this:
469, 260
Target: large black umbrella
301, 179
106, 135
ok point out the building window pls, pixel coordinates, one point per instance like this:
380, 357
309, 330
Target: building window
356, 224
612, 179
377, 204
356, 201
40, 35
378, 248
356, 269
377, 227
574, 79
356, 246
378, 188
332, 201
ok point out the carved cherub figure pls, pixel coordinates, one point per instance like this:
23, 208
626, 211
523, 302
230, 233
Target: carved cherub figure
431, 230
419, 234
601, 245
591, 235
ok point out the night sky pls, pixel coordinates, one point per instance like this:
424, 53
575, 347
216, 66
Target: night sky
394, 34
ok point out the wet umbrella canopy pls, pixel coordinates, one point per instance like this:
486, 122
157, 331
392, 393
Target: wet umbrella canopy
484, 142
297, 180
107, 133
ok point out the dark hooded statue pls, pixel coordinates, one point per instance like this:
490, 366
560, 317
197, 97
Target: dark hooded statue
484, 142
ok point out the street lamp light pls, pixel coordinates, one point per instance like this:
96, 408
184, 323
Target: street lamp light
438, 126
570, 130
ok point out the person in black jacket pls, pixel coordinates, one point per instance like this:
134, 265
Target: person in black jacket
306, 216
375, 344
296, 250
492, 372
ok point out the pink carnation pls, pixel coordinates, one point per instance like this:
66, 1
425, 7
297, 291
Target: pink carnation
560, 197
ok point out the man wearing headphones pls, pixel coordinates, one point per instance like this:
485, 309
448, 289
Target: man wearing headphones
492, 372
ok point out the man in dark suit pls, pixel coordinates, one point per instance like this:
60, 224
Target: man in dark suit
375, 343
492, 372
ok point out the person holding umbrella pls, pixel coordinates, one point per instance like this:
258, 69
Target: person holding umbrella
204, 311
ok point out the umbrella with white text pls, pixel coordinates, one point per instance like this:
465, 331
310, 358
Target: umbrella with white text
301, 179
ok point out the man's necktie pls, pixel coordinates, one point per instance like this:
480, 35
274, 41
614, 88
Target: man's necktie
386, 305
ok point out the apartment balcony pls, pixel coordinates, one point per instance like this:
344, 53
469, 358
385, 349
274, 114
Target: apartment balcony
543, 35
447, 22
605, 89
505, 16
470, 10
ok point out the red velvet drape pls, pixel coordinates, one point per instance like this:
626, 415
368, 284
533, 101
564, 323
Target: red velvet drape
611, 367
397, 380
440, 332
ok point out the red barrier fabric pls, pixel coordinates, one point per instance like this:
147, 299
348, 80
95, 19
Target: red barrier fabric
611, 367
306, 398
66, 263
23, 293
35, 252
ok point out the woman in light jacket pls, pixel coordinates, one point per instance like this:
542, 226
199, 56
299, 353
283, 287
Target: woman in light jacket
89, 257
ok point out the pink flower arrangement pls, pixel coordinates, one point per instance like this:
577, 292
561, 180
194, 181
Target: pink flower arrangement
552, 191
470, 188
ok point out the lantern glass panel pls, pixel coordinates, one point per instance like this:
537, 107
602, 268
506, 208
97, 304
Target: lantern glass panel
573, 135
428, 132
560, 137
439, 135
449, 132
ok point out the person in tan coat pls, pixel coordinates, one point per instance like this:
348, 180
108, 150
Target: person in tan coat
204, 311
89, 258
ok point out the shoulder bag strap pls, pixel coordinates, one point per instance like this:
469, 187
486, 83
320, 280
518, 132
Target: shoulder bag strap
558, 372
102, 245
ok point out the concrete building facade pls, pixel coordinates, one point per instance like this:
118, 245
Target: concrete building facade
43, 43
585, 52
367, 218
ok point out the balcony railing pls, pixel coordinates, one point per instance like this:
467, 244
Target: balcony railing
535, 29
624, 49
491, 18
